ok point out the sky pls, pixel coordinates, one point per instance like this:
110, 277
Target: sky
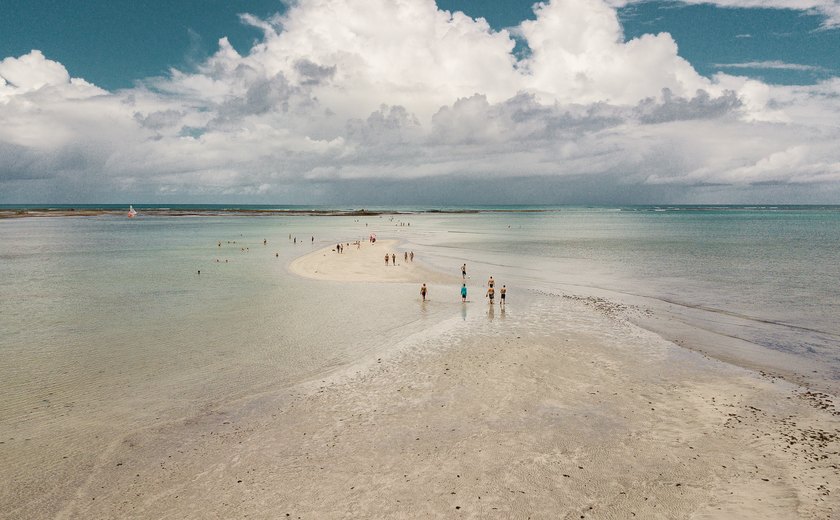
358, 102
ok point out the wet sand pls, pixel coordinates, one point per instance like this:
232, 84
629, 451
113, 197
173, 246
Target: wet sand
556, 408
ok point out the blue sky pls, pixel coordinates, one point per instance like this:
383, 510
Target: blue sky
116, 42
313, 100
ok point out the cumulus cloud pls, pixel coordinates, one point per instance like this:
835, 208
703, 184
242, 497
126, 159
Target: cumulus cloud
340, 95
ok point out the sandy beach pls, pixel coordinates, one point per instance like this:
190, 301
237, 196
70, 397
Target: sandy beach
365, 262
556, 407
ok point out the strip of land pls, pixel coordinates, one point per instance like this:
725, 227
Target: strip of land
549, 409
365, 262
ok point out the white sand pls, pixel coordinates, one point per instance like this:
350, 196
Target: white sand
366, 263
527, 416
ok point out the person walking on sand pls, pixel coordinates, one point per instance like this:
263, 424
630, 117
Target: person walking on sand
464, 272
394, 259
423, 292
491, 293
387, 257
464, 292
491, 282
502, 293
411, 256
405, 256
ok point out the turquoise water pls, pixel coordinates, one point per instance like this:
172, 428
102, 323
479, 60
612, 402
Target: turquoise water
104, 310
767, 276
107, 329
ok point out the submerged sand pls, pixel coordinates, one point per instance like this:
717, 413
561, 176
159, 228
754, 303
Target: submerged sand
556, 408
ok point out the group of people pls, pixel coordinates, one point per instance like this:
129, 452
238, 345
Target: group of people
491, 291
490, 294
295, 240
408, 257
491, 288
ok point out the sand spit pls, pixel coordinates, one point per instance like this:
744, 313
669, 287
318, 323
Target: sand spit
558, 407
524, 419
365, 262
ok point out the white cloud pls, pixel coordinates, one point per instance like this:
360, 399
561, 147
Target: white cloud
340, 91
578, 54
772, 65
828, 9
33, 72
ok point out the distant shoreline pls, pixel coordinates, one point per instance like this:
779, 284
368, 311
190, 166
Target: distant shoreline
46, 212
50, 212
8, 211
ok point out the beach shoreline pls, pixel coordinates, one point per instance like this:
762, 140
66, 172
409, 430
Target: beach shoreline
517, 415
552, 407
365, 262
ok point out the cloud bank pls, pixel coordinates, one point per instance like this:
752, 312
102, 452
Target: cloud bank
398, 101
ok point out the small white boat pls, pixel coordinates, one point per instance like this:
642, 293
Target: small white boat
131, 212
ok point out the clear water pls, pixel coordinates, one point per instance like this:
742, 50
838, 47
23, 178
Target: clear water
104, 321
107, 318
767, 276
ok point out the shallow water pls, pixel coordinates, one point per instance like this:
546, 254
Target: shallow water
105, 321
767, 276
106, 327
95, 310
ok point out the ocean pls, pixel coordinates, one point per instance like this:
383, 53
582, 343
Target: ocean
106, 324
765, 276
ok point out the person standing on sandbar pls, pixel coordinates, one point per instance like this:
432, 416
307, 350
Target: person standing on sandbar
491, 292
464, 293
387, 257
464, 272
423, 292
502, 293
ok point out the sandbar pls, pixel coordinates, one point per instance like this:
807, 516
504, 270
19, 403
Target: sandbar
365, 262
551, 409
